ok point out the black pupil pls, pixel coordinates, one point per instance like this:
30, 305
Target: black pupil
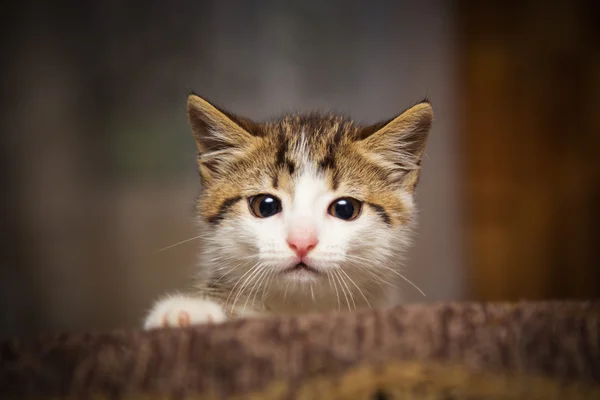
344, 209
268, 206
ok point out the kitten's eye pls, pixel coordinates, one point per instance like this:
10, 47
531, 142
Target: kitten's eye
345, 208
264, 205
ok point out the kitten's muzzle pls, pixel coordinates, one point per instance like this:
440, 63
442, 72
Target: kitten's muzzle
302, 267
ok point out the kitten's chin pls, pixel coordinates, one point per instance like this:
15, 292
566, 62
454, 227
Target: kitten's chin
302, 272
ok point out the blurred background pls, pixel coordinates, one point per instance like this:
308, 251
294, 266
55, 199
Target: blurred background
97, 162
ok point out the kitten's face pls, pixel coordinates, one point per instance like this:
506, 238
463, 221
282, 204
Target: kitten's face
305, 199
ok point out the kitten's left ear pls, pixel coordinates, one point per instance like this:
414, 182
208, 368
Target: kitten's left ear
219, 135
398, 144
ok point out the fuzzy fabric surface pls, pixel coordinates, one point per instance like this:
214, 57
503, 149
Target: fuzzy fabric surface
547, 350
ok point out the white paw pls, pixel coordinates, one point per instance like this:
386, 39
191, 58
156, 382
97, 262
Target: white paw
179, 311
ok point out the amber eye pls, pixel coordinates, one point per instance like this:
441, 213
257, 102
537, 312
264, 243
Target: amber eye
264, 205
345, 208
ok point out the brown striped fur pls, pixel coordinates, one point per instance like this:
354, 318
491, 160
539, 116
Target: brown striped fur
262, 156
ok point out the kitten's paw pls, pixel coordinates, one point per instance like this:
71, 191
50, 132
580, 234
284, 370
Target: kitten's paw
180, 311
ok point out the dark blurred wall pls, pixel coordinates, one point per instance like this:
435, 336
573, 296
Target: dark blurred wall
97, 161
531, 117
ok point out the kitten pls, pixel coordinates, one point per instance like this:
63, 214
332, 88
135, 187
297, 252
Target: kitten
304, 213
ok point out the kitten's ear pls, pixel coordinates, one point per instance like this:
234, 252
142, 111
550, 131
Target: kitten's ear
398, 144
219, 135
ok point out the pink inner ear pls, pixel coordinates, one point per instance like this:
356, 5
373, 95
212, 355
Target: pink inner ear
302, 238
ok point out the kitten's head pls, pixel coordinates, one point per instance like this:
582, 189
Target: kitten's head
306, 197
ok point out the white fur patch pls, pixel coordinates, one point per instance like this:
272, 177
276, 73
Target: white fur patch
180, 311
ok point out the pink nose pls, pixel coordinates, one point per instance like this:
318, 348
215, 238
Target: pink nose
302, 240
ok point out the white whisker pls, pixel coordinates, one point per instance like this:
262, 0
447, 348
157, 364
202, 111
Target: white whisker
260, 277
389, 269
356, 286
335, 274
285, 291
177, 244
238, 282
265, 291
405, 278
337, 295
247, 282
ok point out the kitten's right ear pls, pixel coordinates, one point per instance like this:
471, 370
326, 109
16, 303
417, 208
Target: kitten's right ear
399, 142
219, 136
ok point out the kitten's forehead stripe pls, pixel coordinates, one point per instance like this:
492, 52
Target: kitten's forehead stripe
223, 209
281, 148
382, 213
335, 180
291, 167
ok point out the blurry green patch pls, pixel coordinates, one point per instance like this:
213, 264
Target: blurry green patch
152, 149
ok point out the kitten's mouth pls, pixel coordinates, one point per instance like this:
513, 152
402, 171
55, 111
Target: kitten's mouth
301, 267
